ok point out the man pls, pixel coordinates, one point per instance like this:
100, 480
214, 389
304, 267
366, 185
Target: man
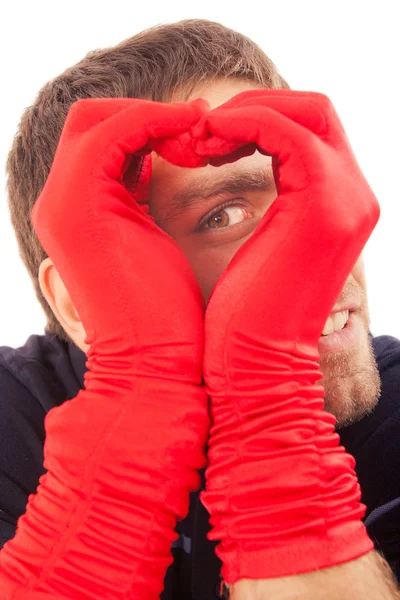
210, 215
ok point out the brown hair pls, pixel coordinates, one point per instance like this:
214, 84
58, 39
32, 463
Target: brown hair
164, 63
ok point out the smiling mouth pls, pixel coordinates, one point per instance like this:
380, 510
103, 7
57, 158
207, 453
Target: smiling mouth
336, 322
343, 331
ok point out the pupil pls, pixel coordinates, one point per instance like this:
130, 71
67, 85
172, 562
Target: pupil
218, 219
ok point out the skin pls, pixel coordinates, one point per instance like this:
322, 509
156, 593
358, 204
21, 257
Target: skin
350, 377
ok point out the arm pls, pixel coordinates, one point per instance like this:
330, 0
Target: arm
366, 578
282, 493
119, 465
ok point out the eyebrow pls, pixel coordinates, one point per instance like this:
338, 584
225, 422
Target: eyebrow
209, 186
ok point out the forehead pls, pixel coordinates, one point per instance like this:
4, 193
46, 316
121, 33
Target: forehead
173, 179
220, 91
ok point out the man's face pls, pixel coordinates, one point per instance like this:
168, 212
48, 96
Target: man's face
211, 211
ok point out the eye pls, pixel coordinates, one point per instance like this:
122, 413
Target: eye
226, 216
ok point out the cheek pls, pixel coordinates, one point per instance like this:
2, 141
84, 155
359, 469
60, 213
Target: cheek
358, 272
208, 263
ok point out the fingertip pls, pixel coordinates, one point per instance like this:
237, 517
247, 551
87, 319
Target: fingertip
202, 105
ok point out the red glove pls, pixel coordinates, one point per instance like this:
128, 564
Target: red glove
282, 494
123, 455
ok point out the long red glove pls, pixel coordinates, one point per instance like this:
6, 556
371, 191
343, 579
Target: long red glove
282, 494
123, 455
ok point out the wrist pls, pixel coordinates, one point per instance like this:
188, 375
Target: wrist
367, 577
281, 491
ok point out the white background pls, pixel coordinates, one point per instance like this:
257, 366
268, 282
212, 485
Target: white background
347, 50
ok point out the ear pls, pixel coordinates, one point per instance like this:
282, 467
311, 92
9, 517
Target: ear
58, 298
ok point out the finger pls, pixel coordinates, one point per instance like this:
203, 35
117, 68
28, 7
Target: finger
109, 130
86, 113
136, 178
178, 150
313, 110
241, 152
272, 133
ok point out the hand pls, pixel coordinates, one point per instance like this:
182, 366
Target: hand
123, 455
282, 495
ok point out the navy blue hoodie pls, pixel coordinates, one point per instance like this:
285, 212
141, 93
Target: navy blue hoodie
45, 372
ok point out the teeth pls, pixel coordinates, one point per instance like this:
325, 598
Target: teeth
336, 322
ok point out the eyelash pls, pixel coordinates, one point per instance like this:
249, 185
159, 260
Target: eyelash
218, 209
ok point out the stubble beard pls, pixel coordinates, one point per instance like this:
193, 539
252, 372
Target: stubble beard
351, 379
